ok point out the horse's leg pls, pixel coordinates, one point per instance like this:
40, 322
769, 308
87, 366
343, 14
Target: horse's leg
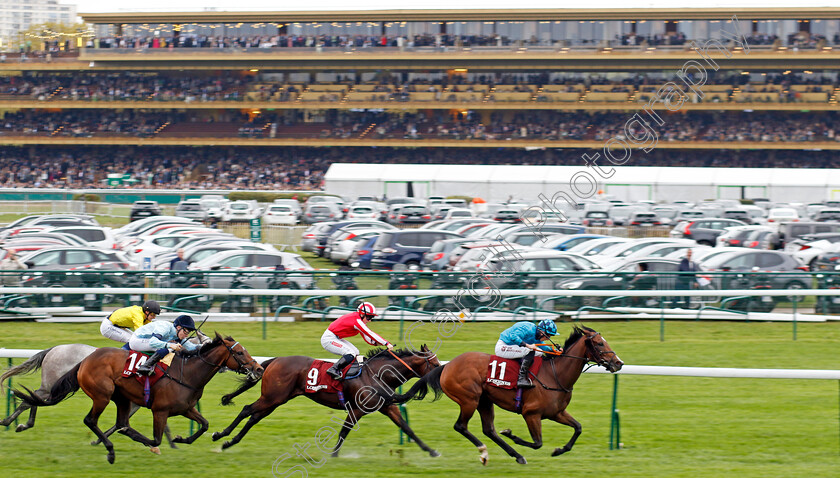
91, 419
256, 411
566, 419
534, 422
203, 425
134, 408
348, 425
122, 425
159, 418
487, 414
30, 422
393, 412
467, 411
20, 409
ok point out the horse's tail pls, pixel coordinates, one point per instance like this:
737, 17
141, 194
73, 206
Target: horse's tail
244, 385
67, 385
421, 388
31, 365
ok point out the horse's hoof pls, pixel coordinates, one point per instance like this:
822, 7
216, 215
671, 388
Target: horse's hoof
178, 439
226, 445
506, 432
334, 454
172, 445
155, 450
111, 458
483, 460
21, 428
558, 451
521, 460
216, 435
434, 453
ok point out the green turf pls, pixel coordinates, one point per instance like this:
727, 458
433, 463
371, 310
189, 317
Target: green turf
671, 426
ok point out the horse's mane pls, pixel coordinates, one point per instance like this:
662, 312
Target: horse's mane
401, 353
215, 343
576, 334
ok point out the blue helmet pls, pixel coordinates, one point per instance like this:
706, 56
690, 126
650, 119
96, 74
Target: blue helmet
184, 321
547, 327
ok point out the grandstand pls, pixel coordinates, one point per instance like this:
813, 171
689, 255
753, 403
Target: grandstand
186, 93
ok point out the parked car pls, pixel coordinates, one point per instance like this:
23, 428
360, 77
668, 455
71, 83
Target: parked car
249, 264
214, 206
506, 214
192, 209
343, 248
75, 258
737, 214
292, 203
778, 215
437, 257
458, 213
240, 211
790, 231
828, 215
363, 252
413, 214
95, 236
143, 209
311, 238
748, 260
644, 219
734, 236
810, 246
704, 231
320, 212
405, 247
616, 278
279, 214
323, 235
363, 212
563, 242
597, 219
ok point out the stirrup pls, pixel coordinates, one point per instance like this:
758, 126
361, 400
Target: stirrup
524, 382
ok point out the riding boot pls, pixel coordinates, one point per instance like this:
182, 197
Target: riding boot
338, 367
524, 381
148, 367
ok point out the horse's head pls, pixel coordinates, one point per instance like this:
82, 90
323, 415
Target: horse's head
599, 351
429, 360
239, 360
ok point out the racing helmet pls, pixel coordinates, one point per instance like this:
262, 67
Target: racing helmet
547, 327
366, 309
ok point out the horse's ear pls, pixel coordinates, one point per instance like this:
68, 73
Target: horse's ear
423, 348
218, 337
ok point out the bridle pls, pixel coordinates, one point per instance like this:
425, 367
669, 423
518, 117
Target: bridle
591, 362
428, 360
231, 353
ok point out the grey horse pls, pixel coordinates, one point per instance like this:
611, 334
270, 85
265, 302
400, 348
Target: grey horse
54, 362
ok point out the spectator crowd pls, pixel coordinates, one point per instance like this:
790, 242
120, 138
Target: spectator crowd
304, 168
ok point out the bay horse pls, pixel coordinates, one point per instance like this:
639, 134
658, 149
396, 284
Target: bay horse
100, 376
54, 362
286, 378
463, 380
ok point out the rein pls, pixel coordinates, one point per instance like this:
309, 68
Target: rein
215, 366
586, 361
402, 362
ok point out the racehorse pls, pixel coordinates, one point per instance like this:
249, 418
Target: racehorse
54, 362
464, 381
286, 378
100, 376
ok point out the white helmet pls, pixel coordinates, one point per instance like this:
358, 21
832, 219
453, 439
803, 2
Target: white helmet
366, 309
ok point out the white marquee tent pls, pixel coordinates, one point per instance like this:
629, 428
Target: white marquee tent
495, 183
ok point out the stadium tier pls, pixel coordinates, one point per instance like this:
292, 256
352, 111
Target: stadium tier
455, 86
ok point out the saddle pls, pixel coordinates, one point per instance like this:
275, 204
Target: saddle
503, 373
318, 380
135, 359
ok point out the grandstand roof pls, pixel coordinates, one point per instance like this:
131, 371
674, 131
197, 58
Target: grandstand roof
465, 14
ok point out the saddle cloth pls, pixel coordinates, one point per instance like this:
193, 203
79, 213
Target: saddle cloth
318, 380
135, 359
503, 373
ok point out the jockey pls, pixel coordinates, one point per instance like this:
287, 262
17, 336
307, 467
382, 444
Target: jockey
348, 326
518, 342
119, 325
161, 337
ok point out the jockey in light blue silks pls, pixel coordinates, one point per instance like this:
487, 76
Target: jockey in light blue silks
162, 337
518, 342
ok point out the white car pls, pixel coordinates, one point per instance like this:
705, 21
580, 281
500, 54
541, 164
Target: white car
248, 264
240, 211
458, 213
213, 206
96, 236
362, 212
279, 214
623, 252
781, 214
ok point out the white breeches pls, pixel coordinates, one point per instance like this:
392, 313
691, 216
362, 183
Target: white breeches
113, 332
338, 346
512, 351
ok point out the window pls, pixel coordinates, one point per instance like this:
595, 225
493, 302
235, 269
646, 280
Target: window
426, 240
47, 258
557, 264
265, 260
78, 257
411, 239
235, 261
202, 254
166, 242
90, 235
663, 267
532, 265
744, 261
768, 260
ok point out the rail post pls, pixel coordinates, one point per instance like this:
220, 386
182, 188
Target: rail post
615, 424
10, 398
